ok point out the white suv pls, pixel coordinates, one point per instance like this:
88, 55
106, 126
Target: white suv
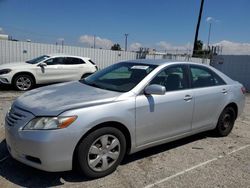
46, 69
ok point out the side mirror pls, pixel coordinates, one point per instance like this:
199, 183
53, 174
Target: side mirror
42, 64
155, 89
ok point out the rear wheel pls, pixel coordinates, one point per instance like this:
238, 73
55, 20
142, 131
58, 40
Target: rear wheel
101, 152
23, 82
226, 122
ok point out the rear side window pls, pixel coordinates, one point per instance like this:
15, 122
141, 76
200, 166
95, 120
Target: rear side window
203, 77
73, 61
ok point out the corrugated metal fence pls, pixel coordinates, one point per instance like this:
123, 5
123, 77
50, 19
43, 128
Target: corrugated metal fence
14, 51
235, 66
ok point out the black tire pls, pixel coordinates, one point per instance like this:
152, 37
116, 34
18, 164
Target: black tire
85, 75
27, 84
226, 122
84, 154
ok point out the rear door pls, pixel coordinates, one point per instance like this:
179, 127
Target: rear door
210, 93
73, 68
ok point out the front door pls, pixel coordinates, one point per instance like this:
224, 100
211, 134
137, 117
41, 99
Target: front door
163, 116
53, 72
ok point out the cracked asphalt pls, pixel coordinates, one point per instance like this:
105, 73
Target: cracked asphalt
198, 161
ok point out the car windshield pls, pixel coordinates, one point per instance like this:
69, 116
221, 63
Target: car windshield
121, 77
37, 59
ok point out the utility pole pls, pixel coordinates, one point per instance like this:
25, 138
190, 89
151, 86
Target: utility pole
197, 28
126, 41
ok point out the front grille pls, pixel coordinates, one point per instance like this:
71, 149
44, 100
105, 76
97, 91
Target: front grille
14, 116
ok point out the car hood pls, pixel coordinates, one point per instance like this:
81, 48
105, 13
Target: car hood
55, 99
15, 65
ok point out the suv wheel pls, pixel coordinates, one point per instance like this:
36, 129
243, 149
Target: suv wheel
101, 152
23, 82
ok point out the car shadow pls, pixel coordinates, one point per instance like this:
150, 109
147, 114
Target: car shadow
25, 176
165, 147
4, 87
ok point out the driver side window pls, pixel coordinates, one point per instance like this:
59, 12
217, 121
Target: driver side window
172, 78
55, 61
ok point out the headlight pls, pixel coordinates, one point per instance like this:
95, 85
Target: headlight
49, 123
5, 71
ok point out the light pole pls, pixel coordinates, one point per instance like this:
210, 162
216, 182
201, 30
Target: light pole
209, 32
94, 41
126, 41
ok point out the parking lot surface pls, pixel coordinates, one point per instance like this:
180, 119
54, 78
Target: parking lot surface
202, 160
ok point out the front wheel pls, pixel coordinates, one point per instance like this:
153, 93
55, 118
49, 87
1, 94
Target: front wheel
226, 122
101, 152
23, 82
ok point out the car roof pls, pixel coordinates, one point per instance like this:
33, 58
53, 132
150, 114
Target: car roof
67, 55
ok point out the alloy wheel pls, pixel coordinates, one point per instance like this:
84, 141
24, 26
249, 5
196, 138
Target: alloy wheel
23, 83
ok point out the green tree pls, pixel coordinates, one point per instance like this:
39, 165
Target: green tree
116, 47
199, 45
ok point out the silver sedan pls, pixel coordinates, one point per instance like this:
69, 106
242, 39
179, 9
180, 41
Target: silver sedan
125, 108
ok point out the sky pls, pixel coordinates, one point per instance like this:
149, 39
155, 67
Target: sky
157, 24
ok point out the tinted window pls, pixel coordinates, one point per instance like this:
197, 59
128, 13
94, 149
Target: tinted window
55, 61
73, 61
203, 77
173, 78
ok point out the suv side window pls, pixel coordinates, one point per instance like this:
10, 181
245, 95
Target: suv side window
55, 61
173, 78
203, 77
73, 61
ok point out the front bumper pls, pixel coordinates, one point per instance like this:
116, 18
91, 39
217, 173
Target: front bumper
5, 79
48, 150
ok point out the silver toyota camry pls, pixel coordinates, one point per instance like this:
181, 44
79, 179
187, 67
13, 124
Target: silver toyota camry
122, 109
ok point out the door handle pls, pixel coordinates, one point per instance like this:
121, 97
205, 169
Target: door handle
224, 91
188, 98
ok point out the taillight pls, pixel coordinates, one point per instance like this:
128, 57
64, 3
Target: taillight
243, 90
